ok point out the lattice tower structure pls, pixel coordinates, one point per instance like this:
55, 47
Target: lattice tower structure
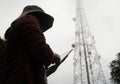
87, 66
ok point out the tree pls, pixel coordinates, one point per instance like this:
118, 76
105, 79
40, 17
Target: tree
115, 70
2, 51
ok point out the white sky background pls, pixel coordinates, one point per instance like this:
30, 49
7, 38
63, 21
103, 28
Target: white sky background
103, 18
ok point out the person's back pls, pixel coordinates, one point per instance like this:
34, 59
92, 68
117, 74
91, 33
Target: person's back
27, 51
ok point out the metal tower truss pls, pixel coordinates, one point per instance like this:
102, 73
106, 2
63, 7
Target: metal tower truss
87, 66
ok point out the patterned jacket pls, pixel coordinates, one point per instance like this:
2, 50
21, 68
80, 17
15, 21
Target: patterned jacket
27, 53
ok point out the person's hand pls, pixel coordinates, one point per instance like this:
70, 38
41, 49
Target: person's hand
56, 59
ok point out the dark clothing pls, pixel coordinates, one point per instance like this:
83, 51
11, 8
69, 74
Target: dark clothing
26, 53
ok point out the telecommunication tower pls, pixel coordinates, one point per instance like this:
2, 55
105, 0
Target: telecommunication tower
87, 66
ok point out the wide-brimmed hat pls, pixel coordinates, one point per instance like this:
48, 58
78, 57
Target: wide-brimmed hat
45, 19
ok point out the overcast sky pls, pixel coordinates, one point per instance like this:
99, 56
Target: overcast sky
103, 18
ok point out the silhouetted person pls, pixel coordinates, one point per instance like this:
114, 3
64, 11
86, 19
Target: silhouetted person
27, 54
